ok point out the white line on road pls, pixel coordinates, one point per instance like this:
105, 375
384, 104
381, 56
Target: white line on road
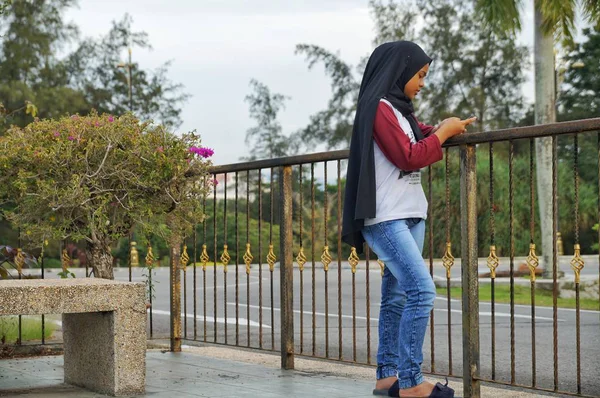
230, 321
481, 313
503, 315
537, 307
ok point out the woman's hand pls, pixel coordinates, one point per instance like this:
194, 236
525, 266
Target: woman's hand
451, 127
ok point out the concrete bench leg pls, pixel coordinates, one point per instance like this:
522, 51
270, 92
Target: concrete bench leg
106, 351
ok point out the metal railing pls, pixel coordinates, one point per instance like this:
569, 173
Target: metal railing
327, 296
269, 271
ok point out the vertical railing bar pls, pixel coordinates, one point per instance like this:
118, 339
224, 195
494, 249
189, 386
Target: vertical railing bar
271, 204
225, 255
19, 243
326, 260
512, 258
301, 262
237, 263
215, 259
129, 240
532, 260
184, 298
429, 217
314, 319
577, 262
42, 266
449, 265
195, 284
368, 303
339, 256
204, 263
286, 269
493, 264
354, 315
260, 287
555, 259
248, 265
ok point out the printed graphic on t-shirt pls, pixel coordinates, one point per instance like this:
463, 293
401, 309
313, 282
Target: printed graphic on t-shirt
414, 178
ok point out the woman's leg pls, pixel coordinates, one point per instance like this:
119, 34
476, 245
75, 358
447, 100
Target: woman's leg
392, 306
399, 250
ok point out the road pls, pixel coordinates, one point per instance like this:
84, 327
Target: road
359, 327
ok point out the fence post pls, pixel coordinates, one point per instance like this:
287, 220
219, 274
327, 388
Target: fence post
470, 283
175, 282
286, 269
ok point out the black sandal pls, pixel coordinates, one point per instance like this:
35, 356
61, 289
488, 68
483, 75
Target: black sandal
439, 391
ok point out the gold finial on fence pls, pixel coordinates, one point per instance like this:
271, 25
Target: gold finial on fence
134, 259
271, 258
204, 257
493, 261
65, 260
301, 259
577, 263
184, 258
532, 261
248, 258
326, 258
353, 259
448, 259
225, 258
20, 261
149, 257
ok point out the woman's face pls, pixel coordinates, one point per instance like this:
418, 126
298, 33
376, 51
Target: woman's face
416, 83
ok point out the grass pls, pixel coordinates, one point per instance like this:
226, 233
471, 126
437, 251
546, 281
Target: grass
522, 296
31, 328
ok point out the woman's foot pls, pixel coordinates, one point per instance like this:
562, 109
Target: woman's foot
386, 383
422, 390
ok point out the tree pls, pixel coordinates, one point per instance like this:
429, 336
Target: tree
580, 92
93, 71
551, 17
94, 178
475, 72
33, 34
267, 139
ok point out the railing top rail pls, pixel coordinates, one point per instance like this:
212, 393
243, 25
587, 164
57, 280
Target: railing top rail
537, 131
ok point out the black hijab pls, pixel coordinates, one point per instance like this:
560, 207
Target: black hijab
389, 68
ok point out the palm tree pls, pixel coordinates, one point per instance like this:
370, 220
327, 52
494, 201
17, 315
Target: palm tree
552, 18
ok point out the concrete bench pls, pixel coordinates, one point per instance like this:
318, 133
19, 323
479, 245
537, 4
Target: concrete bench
104, 328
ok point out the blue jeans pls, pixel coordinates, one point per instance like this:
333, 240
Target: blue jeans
407, 297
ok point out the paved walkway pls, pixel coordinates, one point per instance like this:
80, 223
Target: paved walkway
212, 372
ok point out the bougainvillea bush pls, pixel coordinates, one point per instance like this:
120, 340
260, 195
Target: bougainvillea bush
93, 178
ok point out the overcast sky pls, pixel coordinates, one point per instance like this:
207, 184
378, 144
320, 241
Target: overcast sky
217, 46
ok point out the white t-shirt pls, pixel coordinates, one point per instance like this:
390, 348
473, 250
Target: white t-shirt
397, 198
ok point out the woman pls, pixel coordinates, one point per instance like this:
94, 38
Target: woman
385, 206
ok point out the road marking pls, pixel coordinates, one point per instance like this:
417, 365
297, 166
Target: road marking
230, 321
503, 315
481, 313
537, 307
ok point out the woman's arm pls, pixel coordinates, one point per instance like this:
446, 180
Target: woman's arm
396, 146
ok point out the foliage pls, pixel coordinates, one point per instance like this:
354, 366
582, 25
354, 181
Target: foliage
266, 138
475, 72
580, 94
94, 177
37, 67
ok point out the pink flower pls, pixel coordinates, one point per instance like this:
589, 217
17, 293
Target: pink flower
71, 138
74, 117
200, 151
56, 134
216, 182
97, 124
111, 119
160, 149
